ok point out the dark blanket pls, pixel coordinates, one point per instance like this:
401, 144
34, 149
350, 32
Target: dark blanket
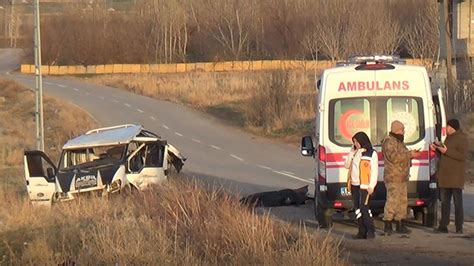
282, 197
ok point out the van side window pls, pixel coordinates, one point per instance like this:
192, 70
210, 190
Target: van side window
37, 167
149, 155
137, 162
154, 155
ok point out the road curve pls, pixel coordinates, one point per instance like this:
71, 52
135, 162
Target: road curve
215, 152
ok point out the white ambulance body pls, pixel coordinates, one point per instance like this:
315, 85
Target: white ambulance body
367, 94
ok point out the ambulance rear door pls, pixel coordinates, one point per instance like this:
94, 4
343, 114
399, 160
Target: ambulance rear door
440, 116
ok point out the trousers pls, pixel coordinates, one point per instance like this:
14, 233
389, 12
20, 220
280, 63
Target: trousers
362, 211
446, 194
396, 203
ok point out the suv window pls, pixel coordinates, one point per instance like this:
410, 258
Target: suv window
373, 115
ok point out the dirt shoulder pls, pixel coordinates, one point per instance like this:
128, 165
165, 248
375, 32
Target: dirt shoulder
421, 247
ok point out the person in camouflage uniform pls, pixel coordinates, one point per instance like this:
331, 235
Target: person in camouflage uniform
396, 173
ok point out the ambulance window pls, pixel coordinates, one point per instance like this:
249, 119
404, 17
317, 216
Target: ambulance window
348, 116
409, 112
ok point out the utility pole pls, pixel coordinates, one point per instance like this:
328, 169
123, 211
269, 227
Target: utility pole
39, 81
449, 47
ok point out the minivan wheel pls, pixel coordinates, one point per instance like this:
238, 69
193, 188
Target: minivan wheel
323, 215
430, 215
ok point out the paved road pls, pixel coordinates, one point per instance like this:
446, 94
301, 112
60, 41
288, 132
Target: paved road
246, 163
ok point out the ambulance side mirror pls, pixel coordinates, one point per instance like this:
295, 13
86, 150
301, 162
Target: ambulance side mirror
307, 147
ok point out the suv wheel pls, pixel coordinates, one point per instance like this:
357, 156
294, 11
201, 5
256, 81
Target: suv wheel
323, 215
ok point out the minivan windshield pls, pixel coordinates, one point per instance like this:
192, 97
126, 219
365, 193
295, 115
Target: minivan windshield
92, 156
373, 115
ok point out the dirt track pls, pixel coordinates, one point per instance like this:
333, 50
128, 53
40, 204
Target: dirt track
422, 247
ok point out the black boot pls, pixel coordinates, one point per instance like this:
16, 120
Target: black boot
401, 229
388, 230
361, 234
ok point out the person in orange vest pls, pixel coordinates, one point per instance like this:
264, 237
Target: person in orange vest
362, 163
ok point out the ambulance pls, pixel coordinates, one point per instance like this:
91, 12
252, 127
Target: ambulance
367, 93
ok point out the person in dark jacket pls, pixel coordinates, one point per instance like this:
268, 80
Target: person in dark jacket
452, 168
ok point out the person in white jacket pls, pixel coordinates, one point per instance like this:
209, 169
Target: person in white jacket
362, 163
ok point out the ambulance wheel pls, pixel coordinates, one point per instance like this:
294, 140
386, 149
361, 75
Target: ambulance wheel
418, 214
323, 215
430, 215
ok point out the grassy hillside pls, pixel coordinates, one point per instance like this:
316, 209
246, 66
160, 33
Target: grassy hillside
17, 124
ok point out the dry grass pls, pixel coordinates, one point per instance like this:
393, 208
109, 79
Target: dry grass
277, 104
17, 124
178, 223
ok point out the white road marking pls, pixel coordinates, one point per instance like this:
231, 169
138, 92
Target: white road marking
196, 140
236, 157
115, 101
179, 134
48, 83
62, 86
152, 118
101, 97
165, 126
290, 173
88, 93
76, 89
216, 147
140, 111
264, 167
128, 105
292, 176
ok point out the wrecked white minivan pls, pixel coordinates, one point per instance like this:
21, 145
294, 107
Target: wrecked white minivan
101, 161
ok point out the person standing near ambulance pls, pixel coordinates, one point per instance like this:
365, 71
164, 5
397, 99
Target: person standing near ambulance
362, 163
451, 173
396, 174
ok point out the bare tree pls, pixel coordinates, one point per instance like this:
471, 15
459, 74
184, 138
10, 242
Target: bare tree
332, 26
169, 29
373, 29
229, 22
421, 36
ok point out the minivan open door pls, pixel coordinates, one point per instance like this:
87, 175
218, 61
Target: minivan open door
40, 175
440, 115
